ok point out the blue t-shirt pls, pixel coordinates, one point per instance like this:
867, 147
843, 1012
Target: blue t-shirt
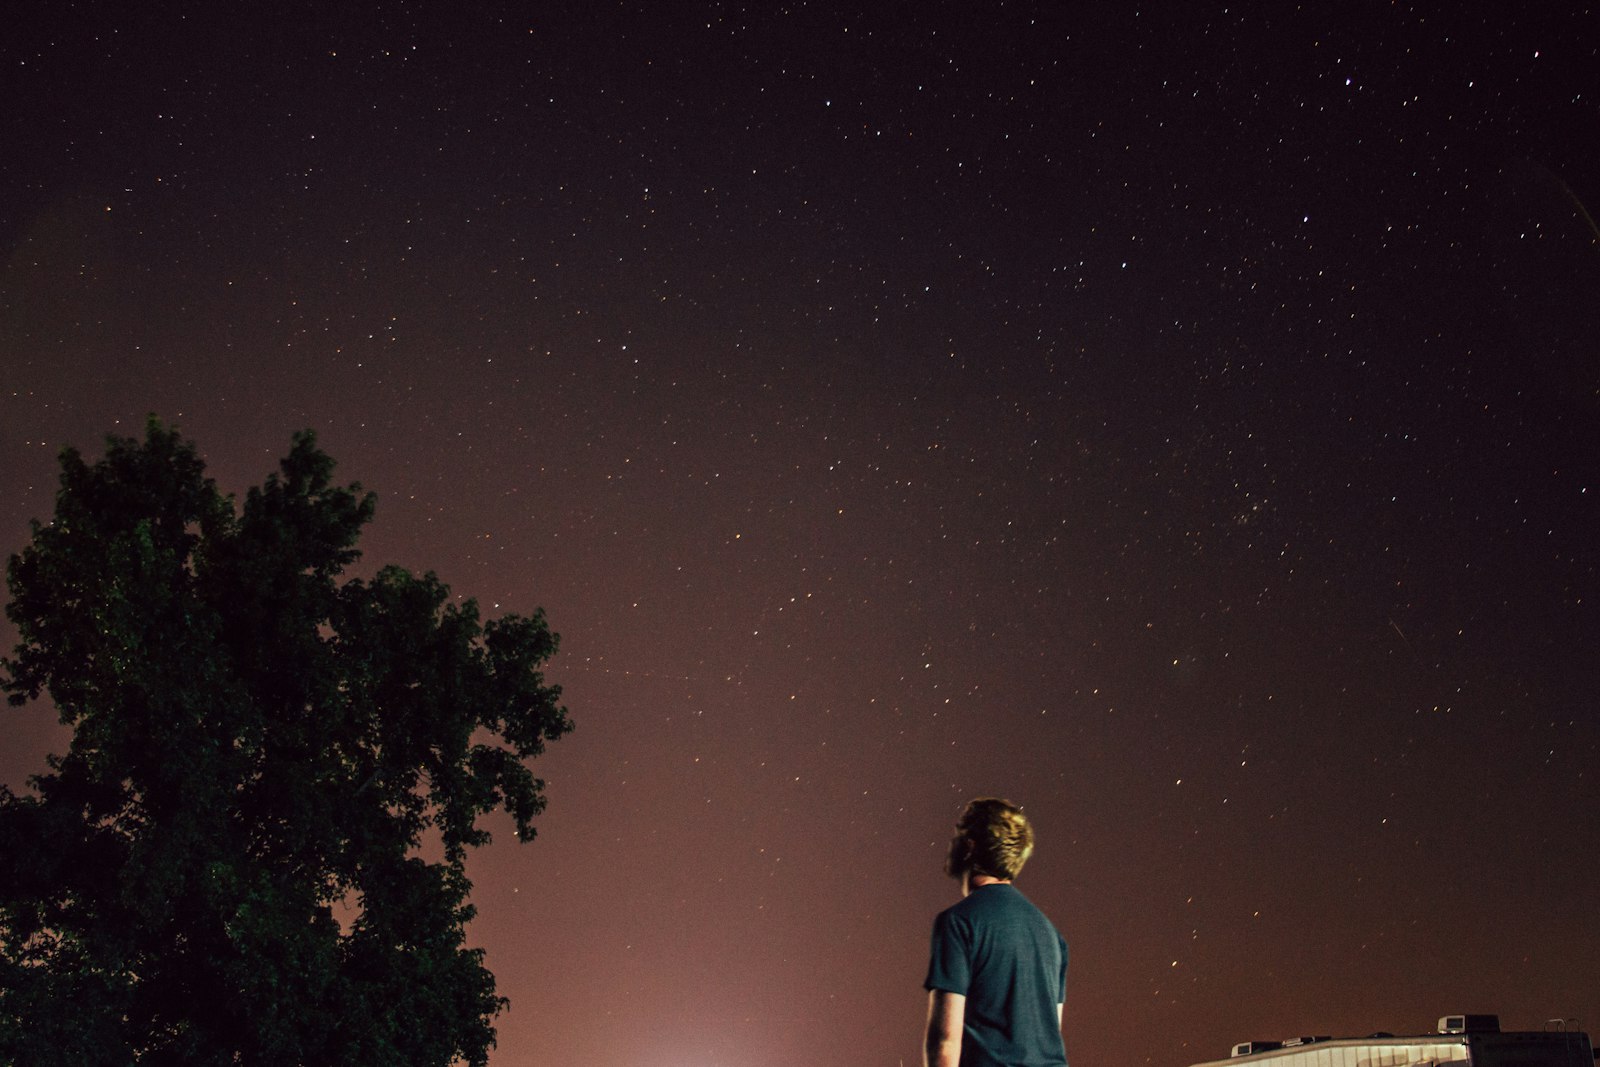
1001, 953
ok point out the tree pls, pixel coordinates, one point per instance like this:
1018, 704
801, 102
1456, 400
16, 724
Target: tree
229, 865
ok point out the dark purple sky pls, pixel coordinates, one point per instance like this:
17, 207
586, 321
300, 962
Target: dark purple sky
1181, 421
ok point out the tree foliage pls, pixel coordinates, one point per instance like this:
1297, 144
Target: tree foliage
227, 866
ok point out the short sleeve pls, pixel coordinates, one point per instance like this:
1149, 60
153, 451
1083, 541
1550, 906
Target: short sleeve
949, 963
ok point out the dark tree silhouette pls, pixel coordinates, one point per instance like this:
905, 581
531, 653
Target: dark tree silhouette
228, 865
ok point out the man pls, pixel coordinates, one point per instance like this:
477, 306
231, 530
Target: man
998, 970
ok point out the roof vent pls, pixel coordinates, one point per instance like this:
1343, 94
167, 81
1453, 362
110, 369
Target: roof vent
1250, 1048
1469, 1024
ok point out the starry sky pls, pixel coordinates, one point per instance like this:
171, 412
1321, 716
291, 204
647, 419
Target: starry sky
1182, 419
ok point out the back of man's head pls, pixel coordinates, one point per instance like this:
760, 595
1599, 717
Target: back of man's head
993, 837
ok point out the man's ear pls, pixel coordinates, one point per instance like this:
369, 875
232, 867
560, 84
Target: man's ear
956, 857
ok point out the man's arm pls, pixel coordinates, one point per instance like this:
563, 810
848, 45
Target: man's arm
941, 1045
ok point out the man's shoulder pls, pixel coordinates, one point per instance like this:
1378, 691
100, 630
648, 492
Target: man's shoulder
998, 901
996, 896
1006, 905
972, 910
953, 913
984, 903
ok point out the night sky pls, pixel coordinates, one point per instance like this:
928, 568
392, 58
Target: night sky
1183, 420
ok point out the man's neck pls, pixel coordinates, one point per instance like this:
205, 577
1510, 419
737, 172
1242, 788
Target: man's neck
973, 880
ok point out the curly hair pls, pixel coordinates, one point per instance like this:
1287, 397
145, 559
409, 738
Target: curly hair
992, 837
